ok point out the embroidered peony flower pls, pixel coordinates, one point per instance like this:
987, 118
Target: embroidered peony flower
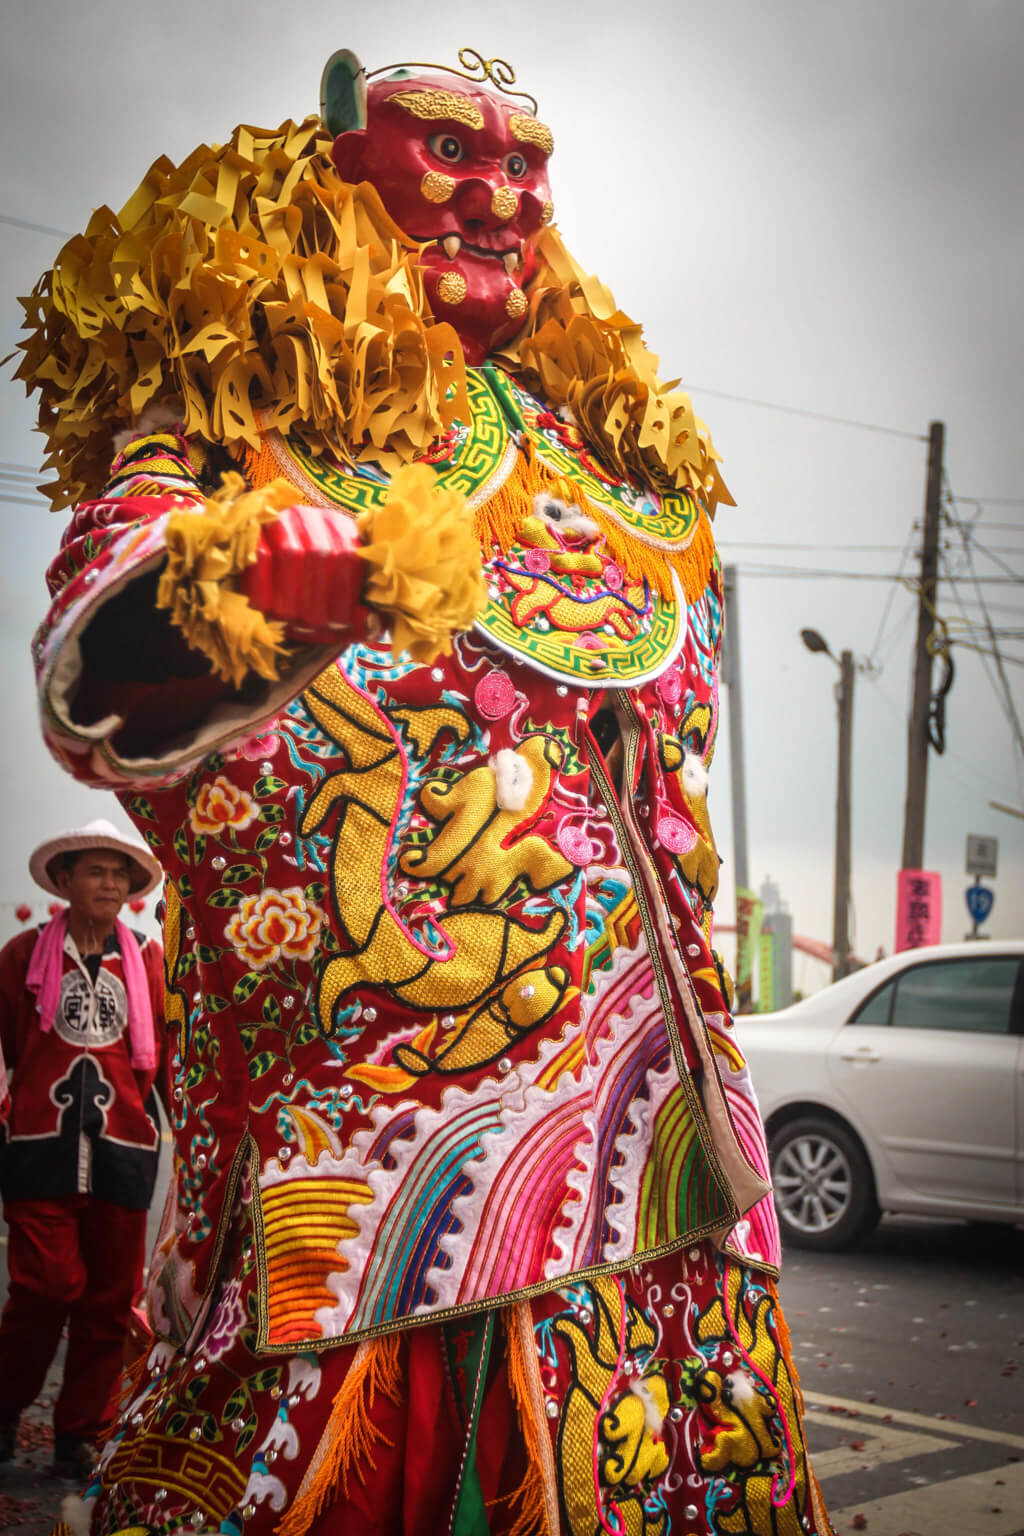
256, 748
537, 561
221, 805
274, 923
228, 1319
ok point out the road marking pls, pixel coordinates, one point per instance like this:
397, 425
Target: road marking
877, 1446
956, 1429
975, 1505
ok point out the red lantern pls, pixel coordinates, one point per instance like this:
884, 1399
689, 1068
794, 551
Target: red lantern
23, 912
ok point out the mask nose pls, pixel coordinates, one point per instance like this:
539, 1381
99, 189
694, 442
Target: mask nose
489, 204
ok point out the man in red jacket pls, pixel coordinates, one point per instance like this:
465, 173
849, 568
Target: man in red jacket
82, 1032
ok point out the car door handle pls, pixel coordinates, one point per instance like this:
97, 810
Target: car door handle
862, 1053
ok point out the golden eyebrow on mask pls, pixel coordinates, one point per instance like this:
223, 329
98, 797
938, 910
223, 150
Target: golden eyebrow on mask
443, 104
529, 131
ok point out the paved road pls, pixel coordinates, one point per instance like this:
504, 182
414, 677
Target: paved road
911, 1353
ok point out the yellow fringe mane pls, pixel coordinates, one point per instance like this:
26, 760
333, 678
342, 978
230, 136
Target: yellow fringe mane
251, 280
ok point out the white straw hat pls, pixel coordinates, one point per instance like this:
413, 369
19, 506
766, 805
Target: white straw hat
145, 871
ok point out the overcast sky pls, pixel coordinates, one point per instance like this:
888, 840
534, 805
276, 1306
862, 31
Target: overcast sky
814, 205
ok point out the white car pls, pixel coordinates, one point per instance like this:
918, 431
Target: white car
900, 1088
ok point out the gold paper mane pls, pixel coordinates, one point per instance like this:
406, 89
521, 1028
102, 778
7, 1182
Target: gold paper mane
252, 282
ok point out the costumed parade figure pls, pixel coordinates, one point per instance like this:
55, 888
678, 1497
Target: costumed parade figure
82, 1032
472, 1227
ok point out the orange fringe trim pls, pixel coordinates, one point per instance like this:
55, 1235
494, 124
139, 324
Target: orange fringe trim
262, 468
499, 520
347, 1442
534, 1517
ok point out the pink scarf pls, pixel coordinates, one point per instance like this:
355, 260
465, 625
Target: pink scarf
46, 968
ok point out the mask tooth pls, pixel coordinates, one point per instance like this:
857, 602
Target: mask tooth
452, 246
511, 260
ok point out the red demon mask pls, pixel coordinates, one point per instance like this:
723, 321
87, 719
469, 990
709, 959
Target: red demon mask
463, 169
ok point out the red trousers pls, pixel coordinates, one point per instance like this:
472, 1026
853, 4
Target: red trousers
77, 1260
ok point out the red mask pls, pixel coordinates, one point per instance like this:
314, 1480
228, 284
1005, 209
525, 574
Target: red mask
463, 169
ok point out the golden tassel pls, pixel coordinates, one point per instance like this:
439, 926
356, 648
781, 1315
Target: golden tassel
536, 1496
347, 1442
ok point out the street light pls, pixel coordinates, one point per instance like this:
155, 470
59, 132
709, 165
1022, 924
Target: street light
817, 644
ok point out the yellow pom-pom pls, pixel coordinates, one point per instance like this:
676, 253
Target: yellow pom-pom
205, 548
425, 576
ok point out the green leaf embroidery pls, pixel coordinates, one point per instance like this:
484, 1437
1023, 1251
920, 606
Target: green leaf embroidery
246, 985
238, 874
268, 785
262, 1063
223, 898
271, 1010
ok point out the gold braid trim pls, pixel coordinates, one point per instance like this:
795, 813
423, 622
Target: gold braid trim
424, 559
347, 1442
204, 549
252, 279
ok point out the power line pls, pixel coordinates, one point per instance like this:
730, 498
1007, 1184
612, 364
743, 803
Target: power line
1009, 704
796, 410
41, 229
764, 568
890, 596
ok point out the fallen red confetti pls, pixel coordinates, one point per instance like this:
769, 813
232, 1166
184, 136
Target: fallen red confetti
859, 1523
857, 1445
13, 1511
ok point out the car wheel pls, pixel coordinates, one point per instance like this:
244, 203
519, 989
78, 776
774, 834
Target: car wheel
824, 1190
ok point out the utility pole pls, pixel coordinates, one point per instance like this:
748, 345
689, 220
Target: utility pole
841, 906
730, 674
917, 733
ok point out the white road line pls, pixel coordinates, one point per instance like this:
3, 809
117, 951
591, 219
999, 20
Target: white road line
981, 1504
955, 1428
880, 1444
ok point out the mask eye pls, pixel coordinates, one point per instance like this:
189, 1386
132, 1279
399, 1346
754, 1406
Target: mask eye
515, 165
447, 147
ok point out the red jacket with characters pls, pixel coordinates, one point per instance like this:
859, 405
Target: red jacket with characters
82, 1120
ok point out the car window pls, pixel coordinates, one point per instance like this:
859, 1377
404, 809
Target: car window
957, 994
877, 1008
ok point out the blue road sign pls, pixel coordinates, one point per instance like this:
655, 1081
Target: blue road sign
980, 901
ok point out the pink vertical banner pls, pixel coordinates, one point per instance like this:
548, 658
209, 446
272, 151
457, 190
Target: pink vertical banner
918, 908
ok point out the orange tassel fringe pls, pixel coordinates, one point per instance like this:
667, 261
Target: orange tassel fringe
499, 520
350, 1434
535, 1517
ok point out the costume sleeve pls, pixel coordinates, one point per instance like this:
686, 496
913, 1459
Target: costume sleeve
125, 698
153, 654
14, 963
